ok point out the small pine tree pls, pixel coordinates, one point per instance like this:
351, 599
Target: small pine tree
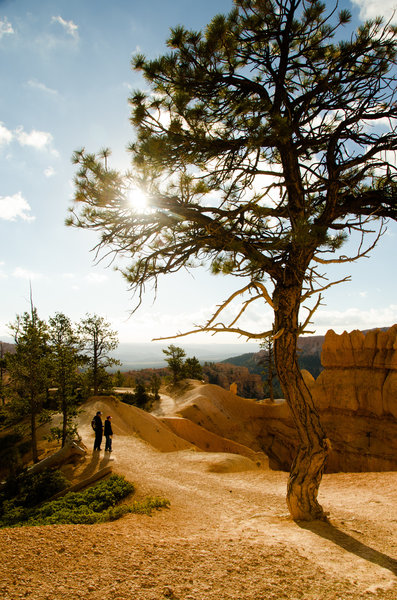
155, 383
98, 341
30, 369
66, 359
175, 362
118, 379
269, 370
192, 368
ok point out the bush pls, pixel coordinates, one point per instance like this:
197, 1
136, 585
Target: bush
29, 489
11, 451
140, 398
94, 505
9, 440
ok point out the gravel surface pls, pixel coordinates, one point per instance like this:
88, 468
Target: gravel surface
225, 536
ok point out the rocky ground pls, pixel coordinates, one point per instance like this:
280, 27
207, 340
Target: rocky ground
227, 535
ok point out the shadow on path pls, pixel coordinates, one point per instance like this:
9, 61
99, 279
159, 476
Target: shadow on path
92, 465
349, 543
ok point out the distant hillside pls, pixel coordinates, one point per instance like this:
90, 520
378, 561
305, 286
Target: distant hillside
150, 355
308, 358
6, 347
309, 355
249, 384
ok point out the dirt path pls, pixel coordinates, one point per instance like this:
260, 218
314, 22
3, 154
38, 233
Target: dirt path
225, 536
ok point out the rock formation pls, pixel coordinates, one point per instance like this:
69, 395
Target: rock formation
355, 394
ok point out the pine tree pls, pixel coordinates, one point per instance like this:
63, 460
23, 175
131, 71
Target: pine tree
192, 368
30, 368
175, 362
98, 341
262, 144
66, 359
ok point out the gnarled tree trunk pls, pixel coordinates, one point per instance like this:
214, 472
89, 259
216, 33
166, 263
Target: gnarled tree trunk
308, 465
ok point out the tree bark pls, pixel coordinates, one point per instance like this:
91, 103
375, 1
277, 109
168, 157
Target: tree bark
35, 456
95, 371
308, 465
270, 372
64, 420
60, 457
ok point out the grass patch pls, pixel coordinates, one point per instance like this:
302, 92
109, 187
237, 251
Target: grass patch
97, 504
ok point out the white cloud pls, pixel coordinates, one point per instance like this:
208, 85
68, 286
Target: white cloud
40, 140
70, 27
372, 8
21, 273
14, 207
49, 172
36, 139
5, 134
5, 27
33, 83
96, 278
354, 318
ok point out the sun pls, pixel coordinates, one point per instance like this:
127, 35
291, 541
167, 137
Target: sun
137, 199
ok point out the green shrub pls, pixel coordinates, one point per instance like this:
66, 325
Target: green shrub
9, 440
29, 489
94, 505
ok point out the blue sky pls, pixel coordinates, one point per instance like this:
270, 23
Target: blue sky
66, 77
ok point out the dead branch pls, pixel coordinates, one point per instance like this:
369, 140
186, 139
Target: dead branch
265, 293
311, 311
318, 290
222, 329
360, 254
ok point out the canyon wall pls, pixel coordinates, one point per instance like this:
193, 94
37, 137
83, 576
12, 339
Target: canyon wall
356, 397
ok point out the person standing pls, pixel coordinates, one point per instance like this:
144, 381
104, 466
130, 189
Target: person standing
108, 434
98, 428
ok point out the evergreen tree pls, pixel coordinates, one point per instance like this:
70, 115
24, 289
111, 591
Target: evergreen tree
262, 144
141, 397
118, 379
192, 368
175, 362
3, 374
269, 370
98, 341
30, 369
66, 359
155, 383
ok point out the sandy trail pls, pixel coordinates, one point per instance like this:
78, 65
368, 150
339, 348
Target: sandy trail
225, 536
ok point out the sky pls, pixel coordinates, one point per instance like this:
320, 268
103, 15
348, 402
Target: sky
65, 80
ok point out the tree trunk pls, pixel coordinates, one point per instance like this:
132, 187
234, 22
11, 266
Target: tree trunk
95, 373
308, 465
35, 455
270, 372
64, 420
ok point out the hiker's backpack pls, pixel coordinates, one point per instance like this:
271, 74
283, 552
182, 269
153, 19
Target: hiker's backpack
93, 423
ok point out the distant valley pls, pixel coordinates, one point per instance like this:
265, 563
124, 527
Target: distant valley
150, 355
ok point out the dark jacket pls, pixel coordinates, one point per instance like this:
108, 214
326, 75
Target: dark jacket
98, 425
108, 428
